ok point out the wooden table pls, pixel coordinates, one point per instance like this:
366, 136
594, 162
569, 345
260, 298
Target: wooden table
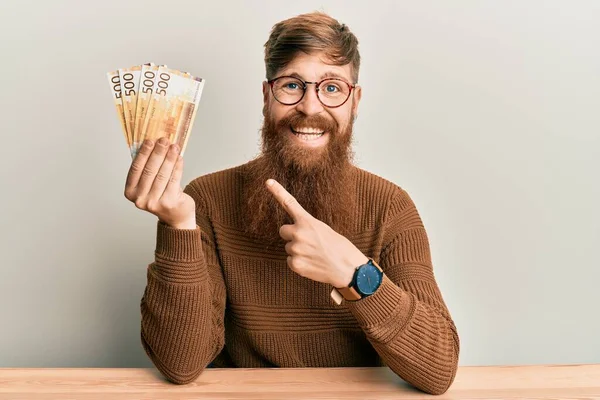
511, 382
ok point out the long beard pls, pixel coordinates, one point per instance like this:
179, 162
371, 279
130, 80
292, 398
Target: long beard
321, 179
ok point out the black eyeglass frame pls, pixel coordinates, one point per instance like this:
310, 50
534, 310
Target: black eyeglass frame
304, 88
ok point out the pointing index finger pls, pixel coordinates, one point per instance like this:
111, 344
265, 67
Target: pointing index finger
287, 201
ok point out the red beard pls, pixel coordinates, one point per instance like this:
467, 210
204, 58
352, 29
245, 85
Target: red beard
321, 179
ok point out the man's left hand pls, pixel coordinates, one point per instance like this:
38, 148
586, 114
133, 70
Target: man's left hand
315, 251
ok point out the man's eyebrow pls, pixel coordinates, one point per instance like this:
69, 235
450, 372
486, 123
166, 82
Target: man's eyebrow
328, 74
331, 74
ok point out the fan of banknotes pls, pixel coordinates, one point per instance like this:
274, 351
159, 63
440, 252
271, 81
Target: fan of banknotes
153, 101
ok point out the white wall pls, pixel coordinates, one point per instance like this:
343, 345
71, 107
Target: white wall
487, 113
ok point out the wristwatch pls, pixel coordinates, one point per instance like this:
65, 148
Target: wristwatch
366, 280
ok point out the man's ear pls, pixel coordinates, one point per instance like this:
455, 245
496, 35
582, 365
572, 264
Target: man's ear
265, 90
356, 99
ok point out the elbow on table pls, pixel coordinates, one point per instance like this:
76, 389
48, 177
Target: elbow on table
437, 390
434, 381
441, 383
182, 379
434, 387
440, 379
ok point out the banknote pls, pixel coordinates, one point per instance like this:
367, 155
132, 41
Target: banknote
115, 85
189, 116
155, 101
146, 85
173, 106
154, 109
130, 80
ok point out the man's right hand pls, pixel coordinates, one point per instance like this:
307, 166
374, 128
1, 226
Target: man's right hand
154, 184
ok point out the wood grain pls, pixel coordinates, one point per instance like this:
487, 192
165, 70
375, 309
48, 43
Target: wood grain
496, 382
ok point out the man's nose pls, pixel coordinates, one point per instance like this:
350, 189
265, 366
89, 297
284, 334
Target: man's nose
310, 103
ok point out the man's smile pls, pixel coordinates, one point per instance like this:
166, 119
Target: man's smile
310, 136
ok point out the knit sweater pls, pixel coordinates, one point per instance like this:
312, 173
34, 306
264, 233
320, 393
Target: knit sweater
216, 295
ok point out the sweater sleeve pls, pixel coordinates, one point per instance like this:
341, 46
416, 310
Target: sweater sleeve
183, 305
406, 319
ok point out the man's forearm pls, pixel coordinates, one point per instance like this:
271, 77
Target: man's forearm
414, 338
178, 331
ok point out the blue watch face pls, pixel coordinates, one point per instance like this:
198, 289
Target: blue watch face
368, 279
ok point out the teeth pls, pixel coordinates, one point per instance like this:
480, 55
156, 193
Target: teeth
309, 137
309, 130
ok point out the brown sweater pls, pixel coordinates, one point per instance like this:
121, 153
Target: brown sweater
215, 295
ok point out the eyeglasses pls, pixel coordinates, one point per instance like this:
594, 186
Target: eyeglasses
331, 92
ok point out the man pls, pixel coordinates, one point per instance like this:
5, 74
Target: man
246, 258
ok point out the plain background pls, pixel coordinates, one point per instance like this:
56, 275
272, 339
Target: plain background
487, 113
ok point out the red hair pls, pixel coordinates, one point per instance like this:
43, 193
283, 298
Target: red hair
311, 33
